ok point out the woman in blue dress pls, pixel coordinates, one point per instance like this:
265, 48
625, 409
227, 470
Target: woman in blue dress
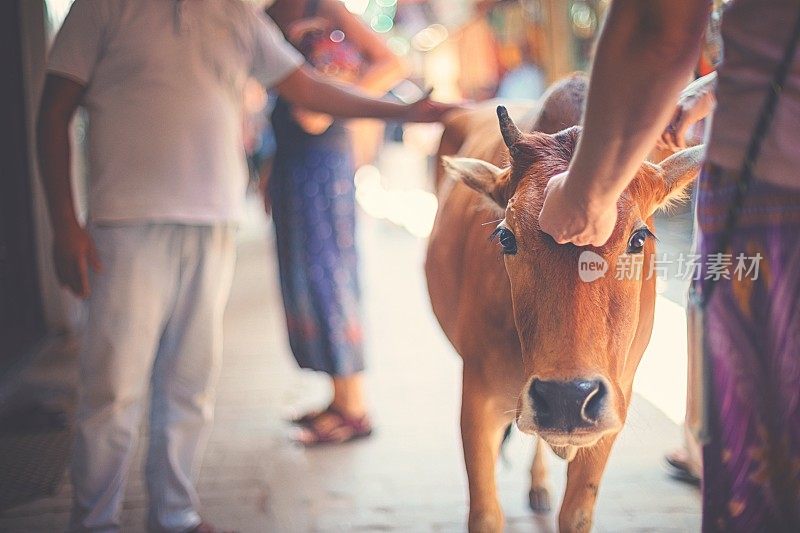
312, 197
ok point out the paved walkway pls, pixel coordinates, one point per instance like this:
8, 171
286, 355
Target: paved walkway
409, 477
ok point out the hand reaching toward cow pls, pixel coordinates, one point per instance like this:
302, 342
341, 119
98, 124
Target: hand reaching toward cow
570, 215
308, 89
427, 110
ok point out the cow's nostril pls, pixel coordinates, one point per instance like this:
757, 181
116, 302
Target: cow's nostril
538, 392
594, 401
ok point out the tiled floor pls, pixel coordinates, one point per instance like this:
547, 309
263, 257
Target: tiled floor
409, 477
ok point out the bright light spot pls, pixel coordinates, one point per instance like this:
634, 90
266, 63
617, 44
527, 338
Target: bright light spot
367, 175
337, 36
407, 91
584, 20
441, 70
661, 376
412, 209
398, 45
57, 11
386, 3
429, 38
356, 6
381, 23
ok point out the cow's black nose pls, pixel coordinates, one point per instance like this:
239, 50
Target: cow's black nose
567, 405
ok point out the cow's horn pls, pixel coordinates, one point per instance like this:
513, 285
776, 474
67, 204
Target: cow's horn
510, 131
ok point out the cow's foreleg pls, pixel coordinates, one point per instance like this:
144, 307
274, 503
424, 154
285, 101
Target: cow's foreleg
583, 481
482, 425
539, 496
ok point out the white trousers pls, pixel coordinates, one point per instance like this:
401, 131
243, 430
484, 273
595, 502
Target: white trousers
154, 324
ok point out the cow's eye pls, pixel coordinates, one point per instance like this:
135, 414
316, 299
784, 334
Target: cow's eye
506, 239
637, 240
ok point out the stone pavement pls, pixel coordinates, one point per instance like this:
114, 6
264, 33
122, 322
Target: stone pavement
409, 477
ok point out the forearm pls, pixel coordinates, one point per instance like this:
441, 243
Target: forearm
307, 89
54, 166
381, 76
640, 67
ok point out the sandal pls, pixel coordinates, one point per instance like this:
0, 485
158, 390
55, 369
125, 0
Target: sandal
308, 419
679, 469
344, 429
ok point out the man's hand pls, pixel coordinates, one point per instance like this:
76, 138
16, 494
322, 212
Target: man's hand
73, 254
73, 251
691, 109
427, 110
695, 103
568, 215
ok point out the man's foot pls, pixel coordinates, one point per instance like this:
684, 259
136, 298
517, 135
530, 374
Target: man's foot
333, 427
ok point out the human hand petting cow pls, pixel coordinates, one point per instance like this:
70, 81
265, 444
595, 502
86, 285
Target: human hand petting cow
570, 213
630, 102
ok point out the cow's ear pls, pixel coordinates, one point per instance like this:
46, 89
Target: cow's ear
568, 138
481, 176
679, 172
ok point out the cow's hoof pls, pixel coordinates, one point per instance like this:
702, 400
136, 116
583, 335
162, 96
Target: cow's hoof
539, 500
486, 523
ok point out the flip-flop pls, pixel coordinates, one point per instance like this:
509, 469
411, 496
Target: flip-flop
679, 470
347, 429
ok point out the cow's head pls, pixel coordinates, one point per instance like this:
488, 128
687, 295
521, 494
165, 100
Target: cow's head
576, 321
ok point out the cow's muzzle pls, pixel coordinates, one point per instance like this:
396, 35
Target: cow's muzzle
570, 412
567, 405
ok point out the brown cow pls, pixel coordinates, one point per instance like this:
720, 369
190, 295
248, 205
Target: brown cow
540, 347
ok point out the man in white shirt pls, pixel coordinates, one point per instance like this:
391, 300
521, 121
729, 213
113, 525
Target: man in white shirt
162, 82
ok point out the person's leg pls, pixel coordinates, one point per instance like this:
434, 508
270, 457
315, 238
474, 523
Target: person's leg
750, 477
314, 213
686, 463
126, 313
348, 395
313, 202
344, 419
185, 375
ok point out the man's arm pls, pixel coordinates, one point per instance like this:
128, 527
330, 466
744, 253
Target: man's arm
73, 249
645, 54
306, 88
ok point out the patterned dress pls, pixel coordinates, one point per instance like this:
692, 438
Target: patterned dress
752, 464
313, 209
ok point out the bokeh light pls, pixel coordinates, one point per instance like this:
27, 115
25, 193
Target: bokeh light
381, 23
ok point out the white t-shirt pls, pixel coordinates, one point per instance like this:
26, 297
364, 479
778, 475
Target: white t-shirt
164, 88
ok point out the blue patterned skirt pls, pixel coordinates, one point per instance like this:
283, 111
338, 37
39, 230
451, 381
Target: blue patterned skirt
313, 209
